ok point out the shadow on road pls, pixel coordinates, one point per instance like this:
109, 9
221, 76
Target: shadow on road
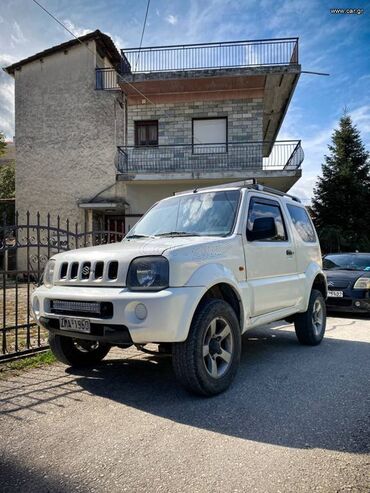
285, 394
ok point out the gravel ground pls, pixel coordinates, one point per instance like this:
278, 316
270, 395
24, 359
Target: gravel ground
295, 420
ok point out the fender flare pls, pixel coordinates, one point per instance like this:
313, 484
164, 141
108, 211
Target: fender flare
209, 276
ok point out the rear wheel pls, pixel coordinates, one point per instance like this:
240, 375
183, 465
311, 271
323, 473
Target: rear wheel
310, 325
208, 360
77, 352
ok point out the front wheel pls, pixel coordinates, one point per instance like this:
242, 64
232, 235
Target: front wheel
208, 360
310, 325
77, 352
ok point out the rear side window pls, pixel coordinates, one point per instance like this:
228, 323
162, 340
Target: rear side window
302, 223
267, 208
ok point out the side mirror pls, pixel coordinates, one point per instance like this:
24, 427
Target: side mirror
263, 229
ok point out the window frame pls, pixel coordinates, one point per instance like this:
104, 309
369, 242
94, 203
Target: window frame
210, 118
145, 123
309, 220
266, 201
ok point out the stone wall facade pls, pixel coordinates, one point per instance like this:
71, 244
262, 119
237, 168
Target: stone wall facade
175, 120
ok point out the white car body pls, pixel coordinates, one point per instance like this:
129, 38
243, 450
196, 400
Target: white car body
269, 283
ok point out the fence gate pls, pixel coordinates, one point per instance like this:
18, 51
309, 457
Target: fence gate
25, 247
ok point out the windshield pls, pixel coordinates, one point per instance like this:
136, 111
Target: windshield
199, 214
347, 262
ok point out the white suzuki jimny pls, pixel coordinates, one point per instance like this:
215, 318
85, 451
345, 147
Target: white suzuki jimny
197, 271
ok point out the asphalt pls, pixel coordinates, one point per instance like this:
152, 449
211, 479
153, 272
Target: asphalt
295, 420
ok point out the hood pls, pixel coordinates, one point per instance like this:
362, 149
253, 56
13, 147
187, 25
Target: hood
344, 278
122, 253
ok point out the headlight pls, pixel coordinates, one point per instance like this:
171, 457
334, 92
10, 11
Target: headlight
362, 283
48, 277
148, 274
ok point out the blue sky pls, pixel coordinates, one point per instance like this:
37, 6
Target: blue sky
338, 44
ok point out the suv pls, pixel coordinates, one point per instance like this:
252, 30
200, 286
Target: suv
198, 270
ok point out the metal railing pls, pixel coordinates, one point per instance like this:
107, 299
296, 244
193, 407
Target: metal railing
231, 54
209, 158
106, 79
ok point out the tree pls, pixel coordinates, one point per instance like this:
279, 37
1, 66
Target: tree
2, 143
341, 203
7, 184
7, 181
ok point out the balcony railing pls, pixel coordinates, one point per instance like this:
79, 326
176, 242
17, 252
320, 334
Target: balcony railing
231, 54
209, 158
106, 79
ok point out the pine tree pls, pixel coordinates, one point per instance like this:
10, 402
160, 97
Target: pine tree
341, 203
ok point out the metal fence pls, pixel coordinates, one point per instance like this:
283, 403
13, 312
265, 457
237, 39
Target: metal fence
209, 158
231, 54
25, 246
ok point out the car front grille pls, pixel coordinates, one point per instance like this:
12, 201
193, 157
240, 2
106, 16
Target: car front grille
88, 271
93, 309
339, 301
338, 283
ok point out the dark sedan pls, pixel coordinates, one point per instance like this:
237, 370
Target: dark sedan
348, 276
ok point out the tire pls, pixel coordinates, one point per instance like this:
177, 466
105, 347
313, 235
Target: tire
310, 325
77, 352
209, 373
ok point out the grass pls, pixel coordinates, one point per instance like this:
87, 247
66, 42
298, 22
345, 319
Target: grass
27, 363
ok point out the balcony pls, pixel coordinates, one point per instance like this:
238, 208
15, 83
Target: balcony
206, 56
208, 160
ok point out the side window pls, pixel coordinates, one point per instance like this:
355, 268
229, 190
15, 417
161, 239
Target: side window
302, 223
261, 208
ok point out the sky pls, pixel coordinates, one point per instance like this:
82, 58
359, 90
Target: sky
338, 44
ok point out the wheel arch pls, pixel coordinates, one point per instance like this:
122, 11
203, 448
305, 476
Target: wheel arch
226, 292
320, 284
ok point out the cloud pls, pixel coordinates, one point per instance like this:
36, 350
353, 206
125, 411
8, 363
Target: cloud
316, 147
361, 118
7, 107
172, 19
6, 59
17, 35
77, 31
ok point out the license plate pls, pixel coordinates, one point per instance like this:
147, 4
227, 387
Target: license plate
77, 324
335, 294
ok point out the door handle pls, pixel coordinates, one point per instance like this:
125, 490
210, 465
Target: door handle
289, 252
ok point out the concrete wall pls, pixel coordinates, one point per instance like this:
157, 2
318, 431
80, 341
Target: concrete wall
66, 134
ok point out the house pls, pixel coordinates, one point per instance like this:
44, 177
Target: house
101, 134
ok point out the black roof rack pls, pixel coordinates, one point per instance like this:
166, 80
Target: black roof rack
251, 183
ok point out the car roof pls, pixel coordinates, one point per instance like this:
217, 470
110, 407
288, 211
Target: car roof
246, 184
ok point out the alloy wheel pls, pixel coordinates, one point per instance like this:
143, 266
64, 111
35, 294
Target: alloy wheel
218, 347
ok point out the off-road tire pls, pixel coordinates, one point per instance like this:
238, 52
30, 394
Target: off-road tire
187, 356
305, 329
66, 351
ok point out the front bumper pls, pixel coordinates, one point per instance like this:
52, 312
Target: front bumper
355, 301
169, 313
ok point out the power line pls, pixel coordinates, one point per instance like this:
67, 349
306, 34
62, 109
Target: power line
142, 33
91, 51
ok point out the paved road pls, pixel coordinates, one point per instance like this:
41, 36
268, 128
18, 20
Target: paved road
296, 420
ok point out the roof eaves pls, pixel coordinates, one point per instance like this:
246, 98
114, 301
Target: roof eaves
103, 39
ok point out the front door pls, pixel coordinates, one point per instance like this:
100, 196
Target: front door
271, 263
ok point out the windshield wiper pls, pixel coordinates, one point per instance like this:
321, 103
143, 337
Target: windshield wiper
177, 233
136, 236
